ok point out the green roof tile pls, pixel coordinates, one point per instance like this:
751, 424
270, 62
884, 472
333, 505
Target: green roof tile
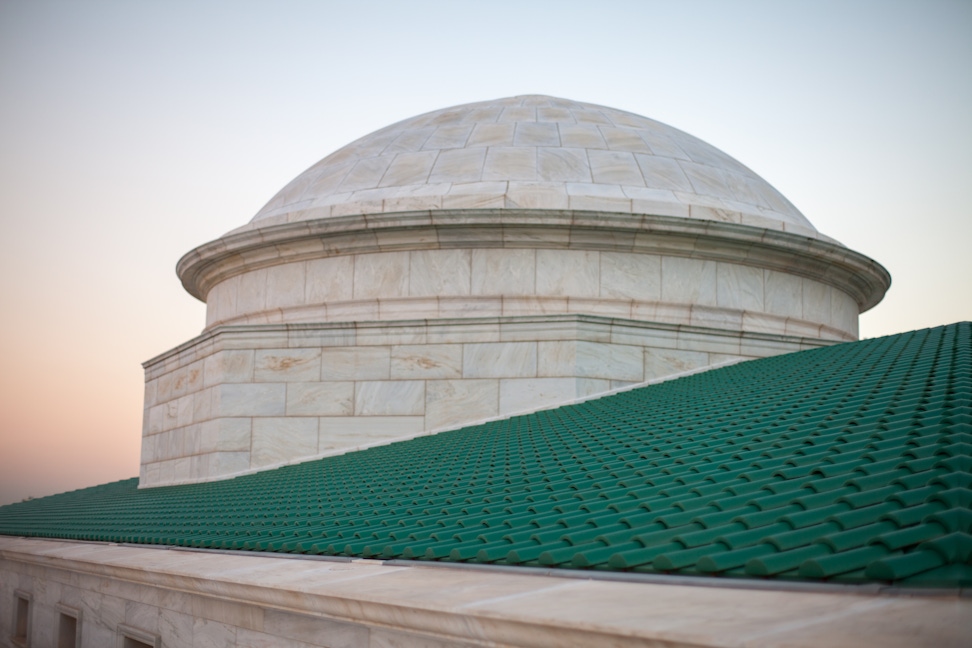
849, 463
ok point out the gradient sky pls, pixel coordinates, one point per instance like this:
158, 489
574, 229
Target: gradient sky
131, 132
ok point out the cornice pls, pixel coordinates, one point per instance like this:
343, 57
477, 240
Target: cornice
865, 280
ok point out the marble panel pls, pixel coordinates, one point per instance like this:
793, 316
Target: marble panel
420, 361
410, 140
150, 395
175, 627
389, 398
212, 634
222, 301
739, 287
458, 165
439, 272
409, 168
228, 366
591, 386
238, 615
783, 294
499, 360
173, 384
817, 302
170, 415
381, 275
624, 139
492, 135
689, 281
285, 285
528, 394
844, 312
510, 163
609, 361
450, 136
228, 463
450, 402
185, 410
585, 136
365, 174
536, 195
329, 279
195, 376
225, 435
563, 165
356, 363
536, 134
314, 630
707, 180
142, 616
503, 272
249, 399
554, 114
568, 273
349, 432
557, 358
287, 365
630, 276
280, 439
334, 398
663, 173
252, 292
615, 167
518, 114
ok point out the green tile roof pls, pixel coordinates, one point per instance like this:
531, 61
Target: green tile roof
851, 463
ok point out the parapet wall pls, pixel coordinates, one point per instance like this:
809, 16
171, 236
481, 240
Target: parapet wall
245, 398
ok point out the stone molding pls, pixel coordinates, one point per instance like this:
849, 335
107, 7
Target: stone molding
858, 276
367, 603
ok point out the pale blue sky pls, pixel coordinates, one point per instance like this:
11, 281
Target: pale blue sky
131, 132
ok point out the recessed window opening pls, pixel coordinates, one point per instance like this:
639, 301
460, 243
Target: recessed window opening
68, 627
21, 625
135, 643
129, 637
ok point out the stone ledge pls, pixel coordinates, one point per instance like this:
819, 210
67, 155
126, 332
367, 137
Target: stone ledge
482, 608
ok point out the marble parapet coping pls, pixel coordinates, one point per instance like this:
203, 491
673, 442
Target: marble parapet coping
210, 337
865, 280
483, 608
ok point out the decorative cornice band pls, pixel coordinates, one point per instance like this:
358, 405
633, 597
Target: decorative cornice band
865, 280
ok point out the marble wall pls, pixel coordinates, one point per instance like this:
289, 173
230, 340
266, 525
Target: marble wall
244, 398
497, 282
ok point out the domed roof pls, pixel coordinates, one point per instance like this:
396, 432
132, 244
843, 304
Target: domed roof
533, 152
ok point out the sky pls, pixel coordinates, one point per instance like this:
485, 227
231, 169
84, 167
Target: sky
132, 132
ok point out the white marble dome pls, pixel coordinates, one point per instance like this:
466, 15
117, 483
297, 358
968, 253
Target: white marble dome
480, 261
533, 152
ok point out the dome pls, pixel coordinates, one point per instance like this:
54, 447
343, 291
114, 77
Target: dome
533, 152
